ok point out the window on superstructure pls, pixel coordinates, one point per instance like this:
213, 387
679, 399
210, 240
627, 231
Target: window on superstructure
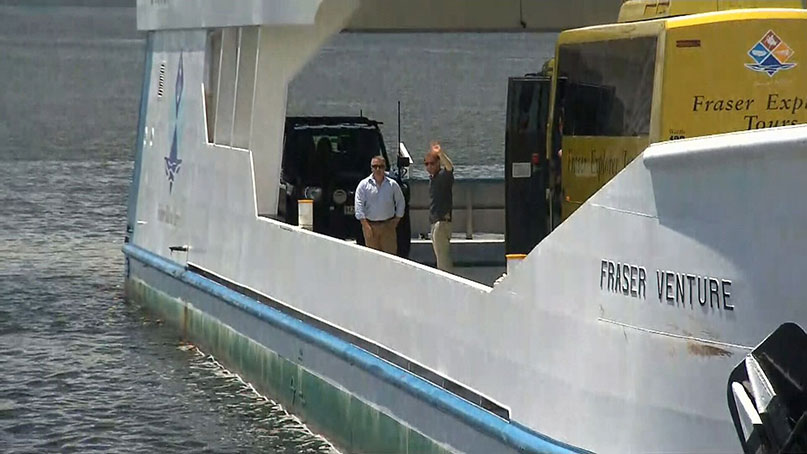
245, 86
211, 81
609, 90
230, 85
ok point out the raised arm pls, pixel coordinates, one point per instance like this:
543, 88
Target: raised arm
445, 161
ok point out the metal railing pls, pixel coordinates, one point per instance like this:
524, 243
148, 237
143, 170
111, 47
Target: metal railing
479, 207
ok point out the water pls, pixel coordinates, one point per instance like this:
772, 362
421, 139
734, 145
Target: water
452, 88
81, 370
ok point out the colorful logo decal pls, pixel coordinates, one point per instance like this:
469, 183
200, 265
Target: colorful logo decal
770, 54
172, 162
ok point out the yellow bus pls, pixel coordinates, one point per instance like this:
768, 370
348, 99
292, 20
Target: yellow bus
669, 70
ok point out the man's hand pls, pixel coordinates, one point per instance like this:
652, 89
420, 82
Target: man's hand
445, 161
395, 222
366, 229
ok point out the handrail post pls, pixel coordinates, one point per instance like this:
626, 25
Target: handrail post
469, 212
305, 214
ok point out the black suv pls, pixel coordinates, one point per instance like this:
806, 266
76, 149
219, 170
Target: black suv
324, 158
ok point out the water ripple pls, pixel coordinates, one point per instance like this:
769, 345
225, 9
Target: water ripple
83, 370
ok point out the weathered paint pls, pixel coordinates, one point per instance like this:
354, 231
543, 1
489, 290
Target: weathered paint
349, 423
315, 376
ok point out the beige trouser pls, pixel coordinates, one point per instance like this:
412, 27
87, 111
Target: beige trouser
441, 242
381, 236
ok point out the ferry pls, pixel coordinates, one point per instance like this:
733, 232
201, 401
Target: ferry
660, 310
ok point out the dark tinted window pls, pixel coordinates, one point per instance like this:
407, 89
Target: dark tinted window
609, 88
313, 153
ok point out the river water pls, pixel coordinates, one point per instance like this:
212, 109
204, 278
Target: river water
80, 369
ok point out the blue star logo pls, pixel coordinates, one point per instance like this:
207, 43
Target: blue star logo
172, 161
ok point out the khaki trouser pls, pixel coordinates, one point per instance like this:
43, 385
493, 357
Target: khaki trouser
441, 242
381, 236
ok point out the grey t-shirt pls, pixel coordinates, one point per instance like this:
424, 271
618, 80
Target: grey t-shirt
440, 193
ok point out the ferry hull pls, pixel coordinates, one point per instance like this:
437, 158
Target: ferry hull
361, 403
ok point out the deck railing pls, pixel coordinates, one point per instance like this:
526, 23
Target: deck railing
478, 207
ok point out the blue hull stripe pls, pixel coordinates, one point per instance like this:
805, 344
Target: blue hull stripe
511, 434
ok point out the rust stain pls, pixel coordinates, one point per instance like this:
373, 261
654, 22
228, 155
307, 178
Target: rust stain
699, 349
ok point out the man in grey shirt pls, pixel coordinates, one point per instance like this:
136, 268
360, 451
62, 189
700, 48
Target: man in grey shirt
441, 186
379, 208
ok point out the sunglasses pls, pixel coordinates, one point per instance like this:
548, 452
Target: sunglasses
376, 166
429, 163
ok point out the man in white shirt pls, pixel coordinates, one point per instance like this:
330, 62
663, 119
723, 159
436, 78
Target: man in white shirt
379, 208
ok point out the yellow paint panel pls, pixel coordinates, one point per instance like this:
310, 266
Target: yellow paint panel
611, 32
720, 72
736, 15
734, 76
637, 10
590, 162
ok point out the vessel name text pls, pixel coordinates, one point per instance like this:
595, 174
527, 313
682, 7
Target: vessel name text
168, 215
684, 290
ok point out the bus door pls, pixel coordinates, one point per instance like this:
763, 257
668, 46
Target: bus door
526, 170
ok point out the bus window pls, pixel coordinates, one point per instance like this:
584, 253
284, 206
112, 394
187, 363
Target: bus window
604, 112
609, 87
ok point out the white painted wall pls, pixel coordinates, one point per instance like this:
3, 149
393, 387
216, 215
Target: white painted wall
599, 370
511, 15
282, 52
195, 14
446, 15
162, 216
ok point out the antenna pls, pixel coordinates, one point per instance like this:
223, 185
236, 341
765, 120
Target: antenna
404, 158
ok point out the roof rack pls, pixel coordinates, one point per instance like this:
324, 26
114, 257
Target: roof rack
296, 122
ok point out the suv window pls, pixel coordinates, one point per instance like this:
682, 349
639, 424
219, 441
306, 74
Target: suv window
324, 158
311, 154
